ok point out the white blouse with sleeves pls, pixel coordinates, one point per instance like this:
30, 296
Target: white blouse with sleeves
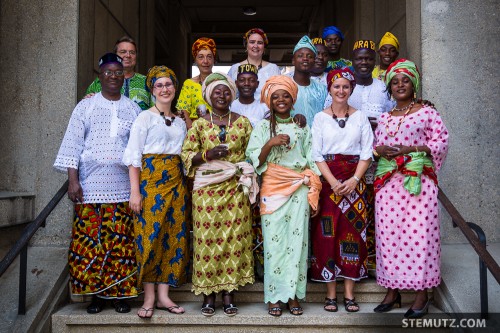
264, 74
150, 135
372, 100
356, 138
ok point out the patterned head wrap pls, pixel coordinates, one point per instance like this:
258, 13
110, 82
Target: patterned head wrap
345, 73
110, 58
157, 72
248, 69
405, 67
332, 30
364, 44
255, 31
203, 43
214, 80
275, 83
389, 39
306, 42
318, 41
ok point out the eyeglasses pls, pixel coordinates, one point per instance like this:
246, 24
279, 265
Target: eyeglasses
222, 134
124, 52
168, 122
109, 73
160, 86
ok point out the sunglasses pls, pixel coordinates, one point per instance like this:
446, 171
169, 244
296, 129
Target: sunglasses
168, 122
222, 134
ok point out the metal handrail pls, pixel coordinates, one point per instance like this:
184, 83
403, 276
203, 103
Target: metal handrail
478, 243
21, 246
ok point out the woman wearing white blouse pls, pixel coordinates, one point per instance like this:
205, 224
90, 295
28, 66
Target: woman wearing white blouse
158, 195
342, 150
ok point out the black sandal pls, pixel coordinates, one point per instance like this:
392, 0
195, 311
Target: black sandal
350, 302
275, 310
121, 306
331, 302
295, 310
96, 305
208, 308
227, 304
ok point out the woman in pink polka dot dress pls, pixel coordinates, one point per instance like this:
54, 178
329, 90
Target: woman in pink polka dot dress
411, 143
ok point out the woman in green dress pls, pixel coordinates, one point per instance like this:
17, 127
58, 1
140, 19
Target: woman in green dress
280, 150
224, 185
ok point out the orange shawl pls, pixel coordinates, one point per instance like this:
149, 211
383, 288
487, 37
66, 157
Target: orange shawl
279, 183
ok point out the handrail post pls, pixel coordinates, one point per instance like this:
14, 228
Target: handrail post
483, 277
23, 267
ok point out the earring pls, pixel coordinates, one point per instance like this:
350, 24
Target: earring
414, 95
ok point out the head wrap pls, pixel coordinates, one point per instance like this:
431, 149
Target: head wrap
255, 31
157, 72
203, 43
389, 39
345, 73
318, 41
275, 83
214, 80
110, 58
332, 30
405, 67
364, 44
306, 42
248, 69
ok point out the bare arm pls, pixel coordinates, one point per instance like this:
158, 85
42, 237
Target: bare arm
75, 192
134, 174
350, 184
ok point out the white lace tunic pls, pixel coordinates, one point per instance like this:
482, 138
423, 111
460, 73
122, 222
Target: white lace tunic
150, 135
356, 138
255, 111
94, 142
372, 100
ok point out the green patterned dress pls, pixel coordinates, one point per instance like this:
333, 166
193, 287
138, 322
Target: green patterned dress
222, 219
285, 231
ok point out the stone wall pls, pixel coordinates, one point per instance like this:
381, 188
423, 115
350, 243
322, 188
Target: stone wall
460, 75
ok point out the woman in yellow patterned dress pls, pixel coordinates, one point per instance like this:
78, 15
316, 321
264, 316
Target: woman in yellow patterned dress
158, 195
224, 186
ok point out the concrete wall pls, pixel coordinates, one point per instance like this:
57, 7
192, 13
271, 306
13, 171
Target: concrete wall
38, 41
460, 75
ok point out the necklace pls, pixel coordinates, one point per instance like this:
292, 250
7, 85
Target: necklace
341, 122
409, 106
284, 121
401, 120
222, 135
258, 67
220, 115
168, 122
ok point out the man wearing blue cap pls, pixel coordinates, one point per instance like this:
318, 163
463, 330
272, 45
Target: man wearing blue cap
334, 38
102, 251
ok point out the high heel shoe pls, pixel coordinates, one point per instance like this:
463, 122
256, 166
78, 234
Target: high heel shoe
413, 314
388, 306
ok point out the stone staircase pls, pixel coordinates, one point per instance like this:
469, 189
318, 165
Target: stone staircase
252, 315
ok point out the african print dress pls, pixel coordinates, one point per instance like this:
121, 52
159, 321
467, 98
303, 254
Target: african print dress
222, 219
285, 231
407, 225
190, 97
161, 229
339, 231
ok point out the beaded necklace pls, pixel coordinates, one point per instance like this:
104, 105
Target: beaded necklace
223, 132
341, 122
401, 120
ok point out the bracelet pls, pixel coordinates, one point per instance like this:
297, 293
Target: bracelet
375, 153
416, 149
204, 156
356, 178
334, 186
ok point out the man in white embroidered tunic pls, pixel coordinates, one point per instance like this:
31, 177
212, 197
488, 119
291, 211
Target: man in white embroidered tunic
101, 254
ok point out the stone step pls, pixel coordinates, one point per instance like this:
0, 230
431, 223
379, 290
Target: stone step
16, 208
252, 317
365, 291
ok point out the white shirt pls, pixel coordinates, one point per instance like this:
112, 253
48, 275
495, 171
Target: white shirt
94, 143
356, 138
263, 74
150, 135
322, 79
254, 111
372, 100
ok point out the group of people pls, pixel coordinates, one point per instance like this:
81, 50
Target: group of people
337, 154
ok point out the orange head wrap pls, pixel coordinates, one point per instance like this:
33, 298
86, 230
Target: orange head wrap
203, 43
275, 83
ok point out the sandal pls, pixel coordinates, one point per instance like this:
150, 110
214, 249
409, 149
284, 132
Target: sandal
121, 306
332, 302
275, 311
146, 313
295, 310
348, 303
207, 308
227, 304
171, 309
96, 305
